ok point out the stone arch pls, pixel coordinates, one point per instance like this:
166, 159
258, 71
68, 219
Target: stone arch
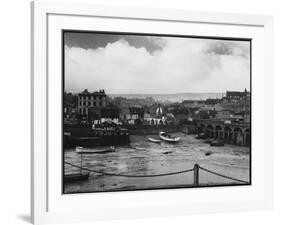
247, 135
237, 136
210, 131
218, 132
237, 129
227, 134
202, 128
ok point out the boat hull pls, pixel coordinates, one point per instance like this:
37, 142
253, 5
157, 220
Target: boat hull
208, 153
200, 136
154, 140
163, 137
82, 150
216, 144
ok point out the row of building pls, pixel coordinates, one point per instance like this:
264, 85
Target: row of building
92, 106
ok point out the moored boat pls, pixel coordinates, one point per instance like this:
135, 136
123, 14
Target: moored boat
216, 143
168, 138
208, 153
154, 140
200, 136
82, 150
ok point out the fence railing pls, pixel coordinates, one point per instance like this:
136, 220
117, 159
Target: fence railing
195, 170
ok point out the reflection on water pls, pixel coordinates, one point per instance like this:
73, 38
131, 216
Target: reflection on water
143, 158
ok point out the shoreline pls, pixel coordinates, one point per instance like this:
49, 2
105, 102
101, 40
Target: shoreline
143, 157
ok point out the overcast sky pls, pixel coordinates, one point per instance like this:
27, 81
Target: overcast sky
130, 64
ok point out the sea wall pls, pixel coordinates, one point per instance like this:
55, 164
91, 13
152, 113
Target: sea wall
105, 140
85, 136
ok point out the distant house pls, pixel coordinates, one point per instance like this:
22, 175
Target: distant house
233, 96
205, 114
146, 116
124, 113
223, 114
128, 116
106, 122
91, 100
70, 113
156, 121
109, 112
212, 101
69, 110
136, 112
131, 122
230, 115
170, 115
237, 117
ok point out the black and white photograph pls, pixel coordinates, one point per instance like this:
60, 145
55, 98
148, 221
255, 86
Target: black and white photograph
154, 111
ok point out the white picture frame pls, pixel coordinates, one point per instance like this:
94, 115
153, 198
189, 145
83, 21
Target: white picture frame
48, 205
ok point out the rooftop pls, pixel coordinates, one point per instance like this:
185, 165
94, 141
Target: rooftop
86, 92
236, 93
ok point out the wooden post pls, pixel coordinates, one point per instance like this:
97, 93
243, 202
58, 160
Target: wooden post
196, 175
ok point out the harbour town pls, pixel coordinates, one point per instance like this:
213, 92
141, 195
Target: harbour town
137, 141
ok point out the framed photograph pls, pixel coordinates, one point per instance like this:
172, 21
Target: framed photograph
146, 112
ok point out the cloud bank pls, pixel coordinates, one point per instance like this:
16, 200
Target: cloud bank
177, 65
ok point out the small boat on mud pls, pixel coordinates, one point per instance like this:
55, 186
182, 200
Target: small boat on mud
216, 143
82, 150
75, 177
168, 138
207, 153
154, 140
200, 136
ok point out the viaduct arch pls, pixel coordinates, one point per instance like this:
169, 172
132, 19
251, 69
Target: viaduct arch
235, 133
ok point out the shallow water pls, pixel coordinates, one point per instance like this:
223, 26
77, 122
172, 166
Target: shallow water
143, 158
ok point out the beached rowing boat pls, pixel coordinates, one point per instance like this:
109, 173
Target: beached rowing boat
154, 140
216, 143
200, 136
82, 150
168, 138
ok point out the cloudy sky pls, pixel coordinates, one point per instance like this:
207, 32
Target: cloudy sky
131, 64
